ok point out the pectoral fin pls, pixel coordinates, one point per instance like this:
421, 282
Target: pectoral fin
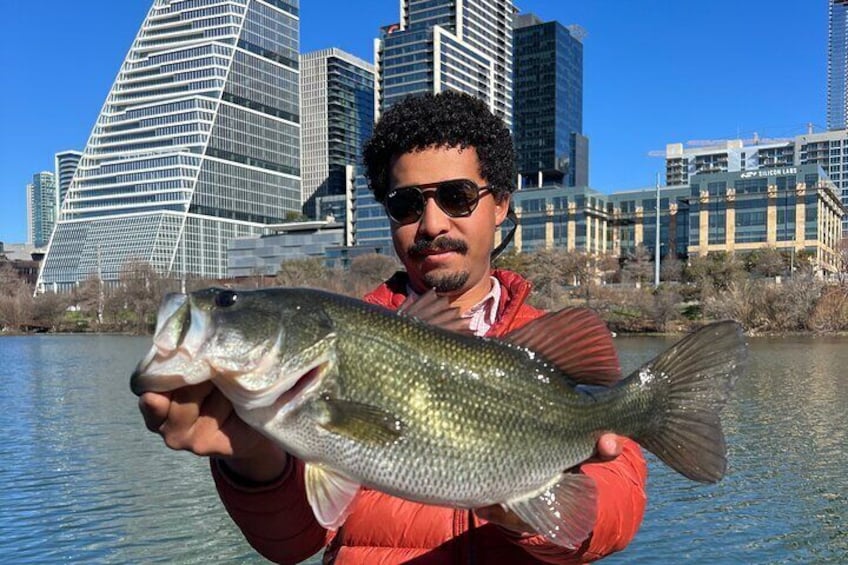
360, 422
329, 494
564, 512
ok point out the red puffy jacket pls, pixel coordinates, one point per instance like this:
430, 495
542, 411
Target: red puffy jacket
277, 520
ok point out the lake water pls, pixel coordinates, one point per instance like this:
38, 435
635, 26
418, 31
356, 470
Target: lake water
84, 482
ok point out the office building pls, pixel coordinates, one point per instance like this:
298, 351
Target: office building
65, 165
794, 209
837, 65
554, 215
198, 142
41, 208
447, 45
790, 208
547, 95
262, 256
337, 95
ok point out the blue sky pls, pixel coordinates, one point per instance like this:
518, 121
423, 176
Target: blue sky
655, 72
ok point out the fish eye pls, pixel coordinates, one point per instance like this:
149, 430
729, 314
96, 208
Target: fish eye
226, 298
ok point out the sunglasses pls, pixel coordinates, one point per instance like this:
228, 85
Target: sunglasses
457, 198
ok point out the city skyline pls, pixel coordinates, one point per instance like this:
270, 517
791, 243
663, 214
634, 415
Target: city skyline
652, 77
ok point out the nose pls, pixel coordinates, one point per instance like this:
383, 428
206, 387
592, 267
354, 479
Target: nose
433, 221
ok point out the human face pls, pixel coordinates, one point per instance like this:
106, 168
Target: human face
449, 254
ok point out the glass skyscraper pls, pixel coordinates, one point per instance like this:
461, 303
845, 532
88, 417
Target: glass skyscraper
41, 208
337, 92
837, 65
64, 168
447, 45
198, 142
548, 102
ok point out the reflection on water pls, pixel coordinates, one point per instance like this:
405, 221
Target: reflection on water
84, 482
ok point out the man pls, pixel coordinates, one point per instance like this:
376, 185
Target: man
442, 165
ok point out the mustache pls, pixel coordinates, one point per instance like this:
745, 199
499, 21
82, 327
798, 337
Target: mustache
440, 244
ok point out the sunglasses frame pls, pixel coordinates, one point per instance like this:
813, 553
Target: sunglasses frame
436, 186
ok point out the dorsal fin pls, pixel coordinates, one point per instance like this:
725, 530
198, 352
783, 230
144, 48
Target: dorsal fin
577, 341
435, 310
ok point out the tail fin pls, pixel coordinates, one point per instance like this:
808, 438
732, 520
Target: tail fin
697, 375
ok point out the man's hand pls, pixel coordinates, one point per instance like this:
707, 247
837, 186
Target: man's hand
609, 447
201, 420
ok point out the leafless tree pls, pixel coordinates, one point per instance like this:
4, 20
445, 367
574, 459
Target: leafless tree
841, 260
671, 268
368, 271
638, 267
16, 303
141, 289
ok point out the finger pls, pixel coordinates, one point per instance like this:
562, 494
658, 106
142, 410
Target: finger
210, 436
178, 428
185, 405
610, 446
154, 408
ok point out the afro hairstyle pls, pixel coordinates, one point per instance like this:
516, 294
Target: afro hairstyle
447, 119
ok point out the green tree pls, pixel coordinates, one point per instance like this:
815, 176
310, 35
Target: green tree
766, 262
715, 272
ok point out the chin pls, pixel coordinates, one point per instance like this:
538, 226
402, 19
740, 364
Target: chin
446, 282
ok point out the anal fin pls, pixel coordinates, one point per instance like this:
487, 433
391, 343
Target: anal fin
564, 512
329, 494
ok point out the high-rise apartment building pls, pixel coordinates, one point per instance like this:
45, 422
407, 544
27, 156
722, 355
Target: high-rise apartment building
447, 45
837, 65
65, 165
829, 150
337, 96
726, 156
41, 208
198, 142
547, 96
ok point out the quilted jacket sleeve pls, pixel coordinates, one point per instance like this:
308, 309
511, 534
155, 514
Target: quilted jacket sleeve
275, 518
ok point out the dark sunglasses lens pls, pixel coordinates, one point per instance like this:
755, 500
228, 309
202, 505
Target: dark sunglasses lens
457, 198
405, 206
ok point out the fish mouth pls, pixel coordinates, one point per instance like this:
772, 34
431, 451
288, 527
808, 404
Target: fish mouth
304, 385
285, 394
173, 360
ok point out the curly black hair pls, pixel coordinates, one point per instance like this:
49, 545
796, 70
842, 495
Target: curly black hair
447, 119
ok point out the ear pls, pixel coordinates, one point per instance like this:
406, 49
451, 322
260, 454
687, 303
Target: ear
501, 208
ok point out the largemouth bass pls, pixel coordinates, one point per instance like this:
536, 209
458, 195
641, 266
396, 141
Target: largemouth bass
370, 397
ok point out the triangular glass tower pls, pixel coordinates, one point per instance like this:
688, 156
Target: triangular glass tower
197, 143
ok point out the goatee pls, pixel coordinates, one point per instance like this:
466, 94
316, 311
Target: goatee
445, 283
